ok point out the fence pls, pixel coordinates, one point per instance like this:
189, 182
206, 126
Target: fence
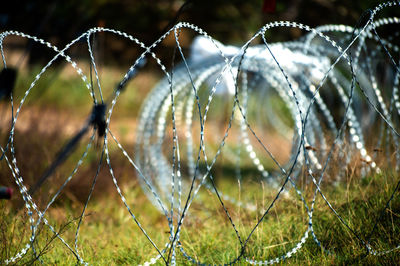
334, 92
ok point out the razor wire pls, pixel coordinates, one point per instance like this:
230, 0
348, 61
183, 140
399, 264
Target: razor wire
303, 73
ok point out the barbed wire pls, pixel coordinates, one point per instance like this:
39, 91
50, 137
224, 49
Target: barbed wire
174, 159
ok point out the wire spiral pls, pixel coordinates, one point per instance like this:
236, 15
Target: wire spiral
326, 94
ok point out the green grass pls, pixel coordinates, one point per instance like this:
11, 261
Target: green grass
109, 236
61, 88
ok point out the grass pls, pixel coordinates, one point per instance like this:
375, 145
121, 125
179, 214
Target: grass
109, 236
61, 88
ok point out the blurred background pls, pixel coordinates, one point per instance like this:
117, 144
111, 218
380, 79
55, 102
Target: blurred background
59, 103
231, 22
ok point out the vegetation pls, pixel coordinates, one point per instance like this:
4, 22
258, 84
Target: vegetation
230, 21
109, 236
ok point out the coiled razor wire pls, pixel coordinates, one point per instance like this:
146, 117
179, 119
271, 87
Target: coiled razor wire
173, 158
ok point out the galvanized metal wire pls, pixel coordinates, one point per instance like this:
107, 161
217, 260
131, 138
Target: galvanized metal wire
174, 156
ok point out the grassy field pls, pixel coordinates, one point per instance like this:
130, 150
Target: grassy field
109, 236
